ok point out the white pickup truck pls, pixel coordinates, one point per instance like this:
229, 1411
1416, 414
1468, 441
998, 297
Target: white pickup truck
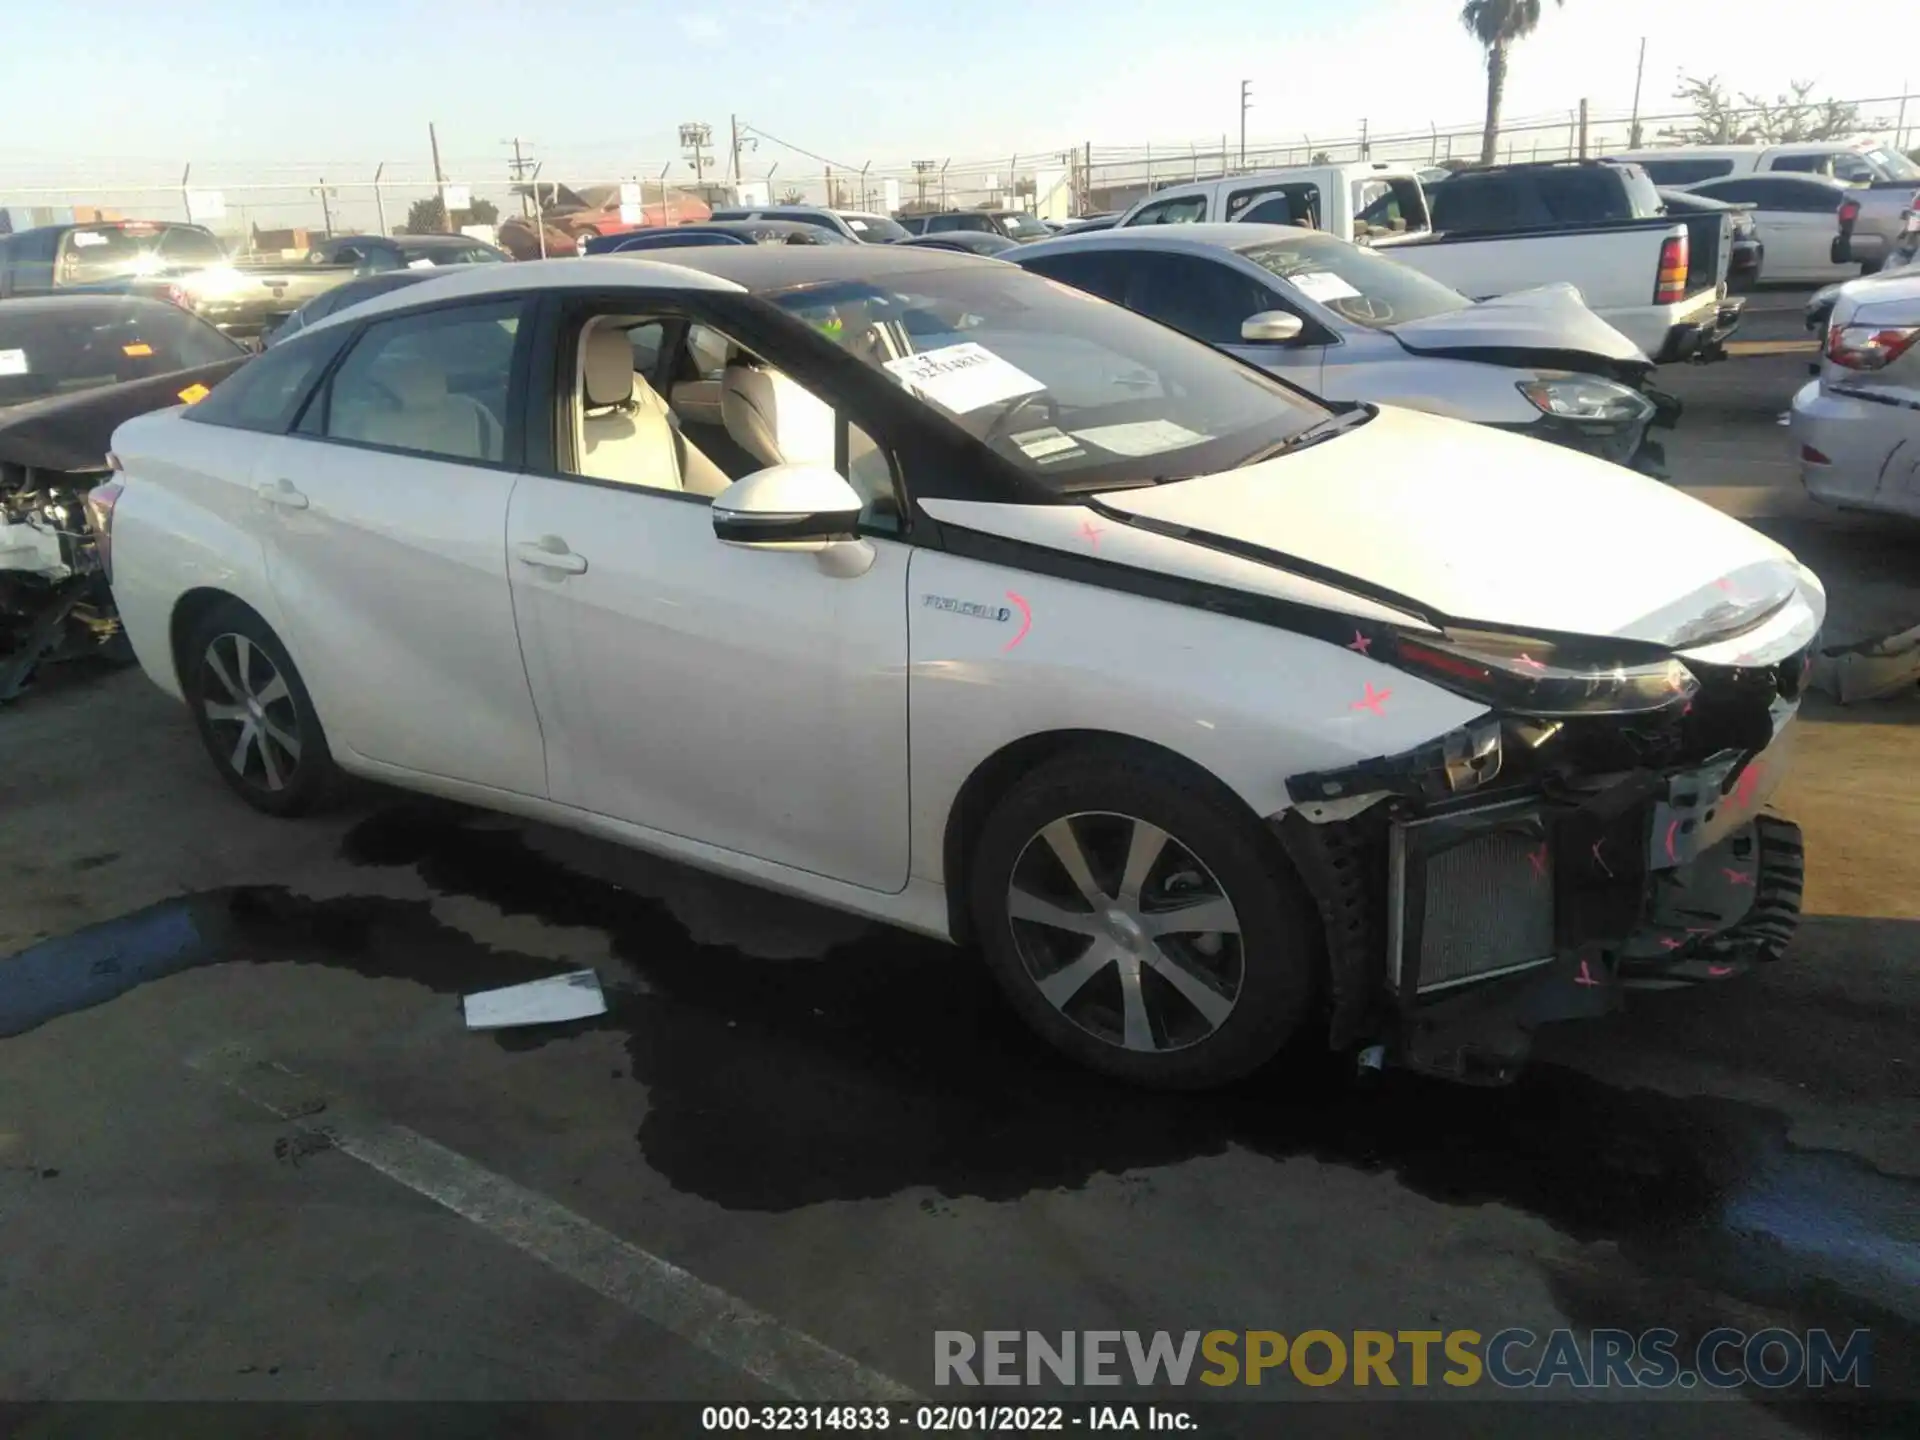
1370, 201
1659, 279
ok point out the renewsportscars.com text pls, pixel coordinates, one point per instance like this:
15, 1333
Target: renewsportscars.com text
1510, 1359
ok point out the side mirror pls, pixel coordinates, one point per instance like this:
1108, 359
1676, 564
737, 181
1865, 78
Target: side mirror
788, 507
1271, 327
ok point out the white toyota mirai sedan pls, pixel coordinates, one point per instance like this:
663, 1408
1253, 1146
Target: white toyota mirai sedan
934, 590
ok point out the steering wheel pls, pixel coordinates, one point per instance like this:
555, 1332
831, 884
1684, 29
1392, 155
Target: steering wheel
1363, 307
1003, 422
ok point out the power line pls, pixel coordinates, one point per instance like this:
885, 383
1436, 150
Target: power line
797, 149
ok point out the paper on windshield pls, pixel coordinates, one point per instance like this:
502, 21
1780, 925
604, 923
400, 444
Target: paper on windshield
1322, 285
88, 237
1051, 443
419, 264
1141, 437
13, 362
963, 378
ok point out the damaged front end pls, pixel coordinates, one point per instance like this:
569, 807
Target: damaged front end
54, 600
1601, 828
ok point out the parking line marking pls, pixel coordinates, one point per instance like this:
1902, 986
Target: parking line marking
789, 1361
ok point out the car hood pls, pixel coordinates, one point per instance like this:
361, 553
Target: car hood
74, 432
1461, 523
1549, 327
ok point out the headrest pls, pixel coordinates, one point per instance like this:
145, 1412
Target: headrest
606, 366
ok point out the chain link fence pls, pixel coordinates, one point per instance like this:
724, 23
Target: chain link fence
251, 207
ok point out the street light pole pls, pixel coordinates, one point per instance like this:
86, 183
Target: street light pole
1245, 100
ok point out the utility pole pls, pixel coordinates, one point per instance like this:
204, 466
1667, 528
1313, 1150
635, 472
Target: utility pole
439, 180
326, 208
733, 123
1245, 101
1583, 127
921, 169
696, 137
1366, 146
1633, 128
520, 163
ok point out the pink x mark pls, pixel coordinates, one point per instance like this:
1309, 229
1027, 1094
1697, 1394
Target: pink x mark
1748, 783
1360, 643
1528, 661
1372, 700
1737, 877
1600, 862
1719, 972
1667, 942
1092, 532
1538, 860
1585, 977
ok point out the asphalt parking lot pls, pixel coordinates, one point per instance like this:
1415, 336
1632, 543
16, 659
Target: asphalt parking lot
838, 1126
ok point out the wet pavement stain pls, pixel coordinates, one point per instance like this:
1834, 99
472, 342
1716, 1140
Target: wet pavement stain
890, 1063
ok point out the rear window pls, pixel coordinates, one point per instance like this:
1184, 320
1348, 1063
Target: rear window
875, 228
1685, 171
90, 254
59, 350
1387, 207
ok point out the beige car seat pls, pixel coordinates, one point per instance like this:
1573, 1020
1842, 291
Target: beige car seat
773, 418
627, 434
429, 418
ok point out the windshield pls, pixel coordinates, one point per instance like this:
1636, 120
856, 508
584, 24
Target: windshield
875, 229
59, 350
422, 256
1357, 284
1891, 164
1074, 391
1023, 227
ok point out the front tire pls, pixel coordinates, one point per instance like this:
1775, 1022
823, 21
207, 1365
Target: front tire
254, 714
1142, 922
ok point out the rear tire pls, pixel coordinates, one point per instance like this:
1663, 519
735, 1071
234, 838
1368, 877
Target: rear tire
1098, 965
254, 714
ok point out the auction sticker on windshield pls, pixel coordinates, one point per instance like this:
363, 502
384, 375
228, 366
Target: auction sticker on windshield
13, 362
1051, 443
1141, 437
963, 378
88, 237
1322, 285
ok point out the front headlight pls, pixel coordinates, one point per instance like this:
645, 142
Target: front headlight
1534, 675
1586, 400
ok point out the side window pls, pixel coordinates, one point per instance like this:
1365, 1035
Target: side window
1739, 192
940, 223
432, 384
265, 393
1297, 204
1806, 199
1201, 298
1186, 210
645, 341
1852, 169
1390, 207
1803, 164
1102, 273
715, 431
1469, 203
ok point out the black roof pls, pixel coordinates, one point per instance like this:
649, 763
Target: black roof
82, 303
768, 269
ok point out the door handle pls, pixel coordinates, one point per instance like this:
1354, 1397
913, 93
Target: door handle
550, 552
282, 494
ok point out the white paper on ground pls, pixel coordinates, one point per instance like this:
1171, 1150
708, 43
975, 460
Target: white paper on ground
1322, 285
963, 377
551, 1001
1141, 437
13, 362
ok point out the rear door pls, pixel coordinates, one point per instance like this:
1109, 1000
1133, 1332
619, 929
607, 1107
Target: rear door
386, 513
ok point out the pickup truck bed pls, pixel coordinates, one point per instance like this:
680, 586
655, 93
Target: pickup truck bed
1615, 265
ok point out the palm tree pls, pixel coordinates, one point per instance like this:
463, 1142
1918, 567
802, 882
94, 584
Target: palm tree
1496, 24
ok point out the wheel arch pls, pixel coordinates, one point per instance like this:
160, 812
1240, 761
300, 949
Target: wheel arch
188, 611
1005, 767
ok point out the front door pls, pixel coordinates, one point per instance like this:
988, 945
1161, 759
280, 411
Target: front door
384, 514
745, 699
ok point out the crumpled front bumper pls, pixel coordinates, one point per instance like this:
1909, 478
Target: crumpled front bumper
1456, 926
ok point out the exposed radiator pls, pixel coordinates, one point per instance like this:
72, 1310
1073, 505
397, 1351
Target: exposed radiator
1487, 908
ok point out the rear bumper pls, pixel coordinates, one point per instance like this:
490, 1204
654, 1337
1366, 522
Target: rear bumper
1843, 445
1456, 928
1854, 247
1705, 339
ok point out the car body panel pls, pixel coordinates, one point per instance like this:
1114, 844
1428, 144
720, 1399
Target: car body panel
1455, 538
1865, 424
745, 699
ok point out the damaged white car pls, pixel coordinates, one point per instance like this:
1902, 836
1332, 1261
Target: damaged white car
937, 591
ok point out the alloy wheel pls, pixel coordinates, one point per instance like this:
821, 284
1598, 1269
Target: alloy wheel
250, 712
1126, 932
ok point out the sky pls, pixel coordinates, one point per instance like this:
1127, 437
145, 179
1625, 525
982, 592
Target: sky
119, 88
